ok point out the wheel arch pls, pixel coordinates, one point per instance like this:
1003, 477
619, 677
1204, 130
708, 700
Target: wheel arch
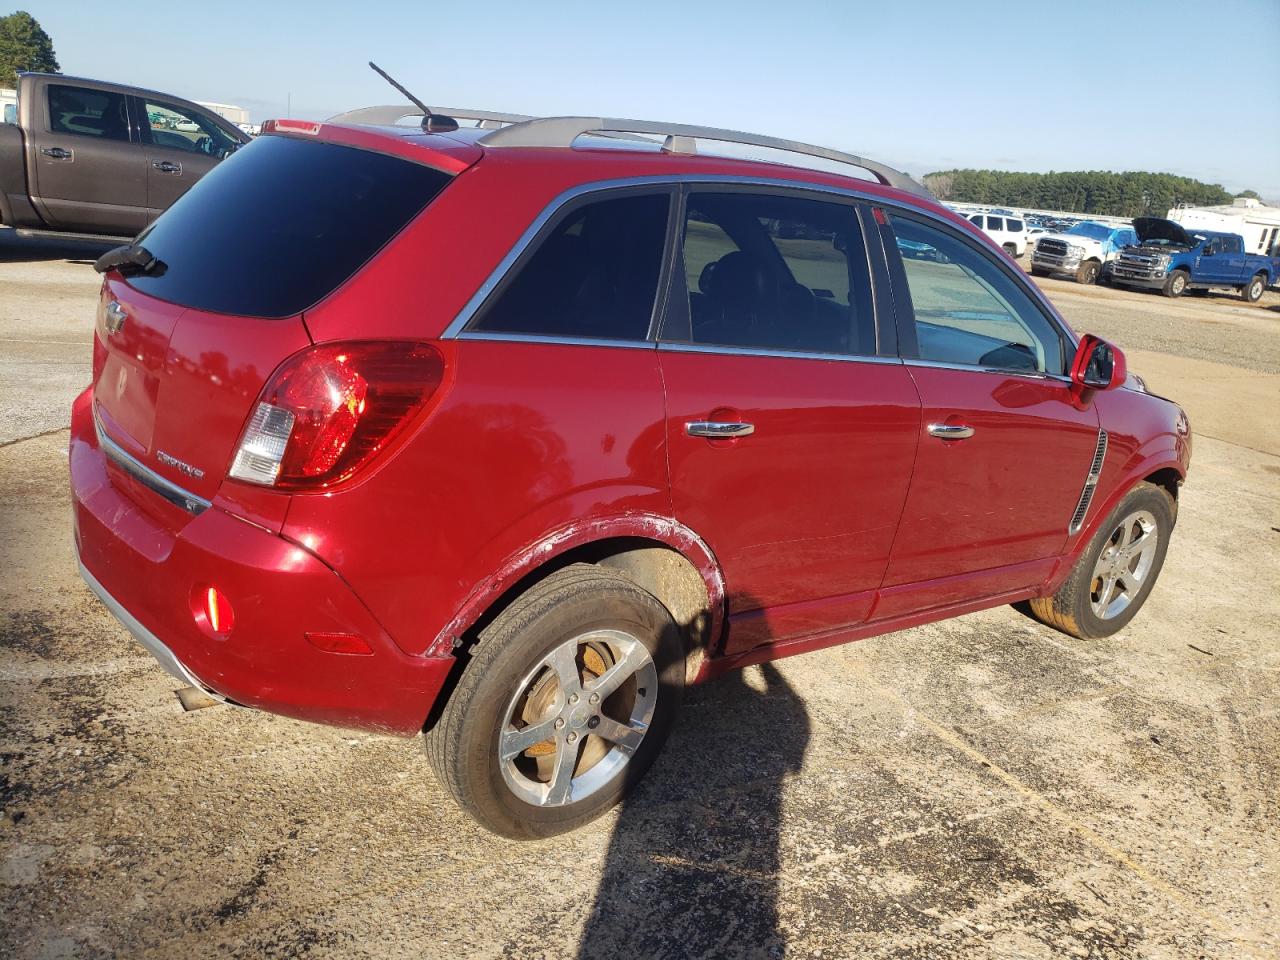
1163, 470
660, 554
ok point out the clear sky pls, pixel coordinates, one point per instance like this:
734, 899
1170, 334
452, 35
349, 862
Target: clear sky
1184, 86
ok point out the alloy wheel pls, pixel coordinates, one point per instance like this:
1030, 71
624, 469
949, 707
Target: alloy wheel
577, 717
1124, 564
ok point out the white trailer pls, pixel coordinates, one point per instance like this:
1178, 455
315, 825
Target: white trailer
1258, 223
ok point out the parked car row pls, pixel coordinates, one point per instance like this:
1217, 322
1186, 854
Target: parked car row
1153, 253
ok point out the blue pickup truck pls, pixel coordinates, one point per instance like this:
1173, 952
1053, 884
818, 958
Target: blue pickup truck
1173, 260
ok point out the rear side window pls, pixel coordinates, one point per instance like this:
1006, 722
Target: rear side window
593, 276
1015, 225
281, 224
968, 311
777, 273
88, 113
995, 223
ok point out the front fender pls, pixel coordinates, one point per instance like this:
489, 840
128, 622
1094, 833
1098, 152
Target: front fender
528, 556
1153, 457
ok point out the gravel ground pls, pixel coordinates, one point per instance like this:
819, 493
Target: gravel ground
1215, 326
983, 787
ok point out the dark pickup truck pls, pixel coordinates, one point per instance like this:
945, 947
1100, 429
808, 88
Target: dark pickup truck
102, 159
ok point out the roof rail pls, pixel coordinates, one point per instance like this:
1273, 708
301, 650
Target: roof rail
680, 138
393, 113
518, 130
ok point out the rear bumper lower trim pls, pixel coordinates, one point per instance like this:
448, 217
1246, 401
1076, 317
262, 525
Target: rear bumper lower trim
153, 644
148, 478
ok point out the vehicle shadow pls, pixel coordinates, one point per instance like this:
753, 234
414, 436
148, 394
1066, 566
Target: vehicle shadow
693, 865
16, 249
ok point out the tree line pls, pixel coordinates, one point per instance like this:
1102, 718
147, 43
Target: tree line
1130, 194
24, 46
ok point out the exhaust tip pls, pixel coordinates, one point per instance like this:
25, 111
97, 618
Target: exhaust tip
193, 698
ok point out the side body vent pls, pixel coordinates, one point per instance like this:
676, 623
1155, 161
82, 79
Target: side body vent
1090, 483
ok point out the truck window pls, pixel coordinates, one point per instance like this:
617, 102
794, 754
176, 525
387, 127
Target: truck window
1015, 225
179, 129
1229, 245
88, 113
995, 223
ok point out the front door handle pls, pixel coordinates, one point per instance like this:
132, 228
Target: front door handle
719, 429
950, 431
167, 166
57, 153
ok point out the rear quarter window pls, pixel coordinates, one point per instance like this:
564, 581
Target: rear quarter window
281, 224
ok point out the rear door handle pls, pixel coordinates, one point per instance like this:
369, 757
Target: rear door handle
57, 153
167, 166
950, 431
718, 429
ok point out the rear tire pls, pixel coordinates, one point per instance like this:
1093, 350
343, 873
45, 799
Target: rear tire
1252, 291
1088, 272
1175, 285
535, 669
1012, 250
1116, 572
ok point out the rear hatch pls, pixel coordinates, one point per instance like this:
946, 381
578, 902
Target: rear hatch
182, 351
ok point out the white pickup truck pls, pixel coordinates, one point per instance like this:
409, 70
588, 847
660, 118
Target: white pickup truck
1085, 251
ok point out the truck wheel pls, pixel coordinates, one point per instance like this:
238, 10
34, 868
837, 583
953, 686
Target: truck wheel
566, 701
1175, 285
1088, 272
1114, 576
1012, 250
1253, 290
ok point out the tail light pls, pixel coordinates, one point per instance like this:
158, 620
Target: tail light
330, 409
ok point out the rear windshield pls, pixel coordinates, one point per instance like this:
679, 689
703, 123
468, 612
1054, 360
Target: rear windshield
280, 225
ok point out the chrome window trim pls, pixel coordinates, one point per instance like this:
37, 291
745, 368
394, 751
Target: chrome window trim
543, 338
674, 346
175, 494
978, 368
472, 306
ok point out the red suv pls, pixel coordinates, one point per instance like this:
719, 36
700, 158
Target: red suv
508, 433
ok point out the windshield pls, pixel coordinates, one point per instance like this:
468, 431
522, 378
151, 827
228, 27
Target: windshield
1094, 231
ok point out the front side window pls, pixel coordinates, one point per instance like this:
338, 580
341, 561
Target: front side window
968, 311
88, 113
593, 276
776, 272
180, 129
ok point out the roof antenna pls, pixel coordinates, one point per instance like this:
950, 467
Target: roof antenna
431, 122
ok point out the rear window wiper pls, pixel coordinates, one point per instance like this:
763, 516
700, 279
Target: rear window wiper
130, 259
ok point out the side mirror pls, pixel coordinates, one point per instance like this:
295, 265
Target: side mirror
1098, 365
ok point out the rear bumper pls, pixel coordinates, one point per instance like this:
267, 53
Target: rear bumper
145, 558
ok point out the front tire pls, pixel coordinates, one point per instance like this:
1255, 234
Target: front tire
1088, 272
1115, 574
1252, 291
1175, 285
565, 703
